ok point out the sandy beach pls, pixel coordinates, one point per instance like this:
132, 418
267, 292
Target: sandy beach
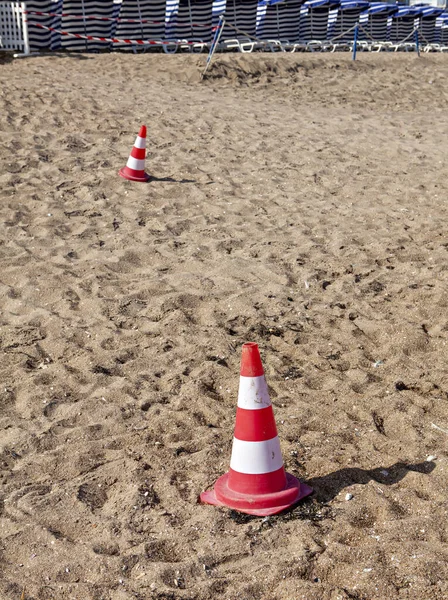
297, 201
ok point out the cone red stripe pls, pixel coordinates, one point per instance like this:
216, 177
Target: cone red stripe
265, 483
134, 173
261, 505
250, 361
129, 174
255, 425
139, 153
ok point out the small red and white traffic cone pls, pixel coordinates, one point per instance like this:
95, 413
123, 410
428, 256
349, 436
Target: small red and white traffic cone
135, 167
256, 483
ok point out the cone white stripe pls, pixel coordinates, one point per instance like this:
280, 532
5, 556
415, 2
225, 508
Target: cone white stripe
140, 142
256, 458
253, 393
136, 164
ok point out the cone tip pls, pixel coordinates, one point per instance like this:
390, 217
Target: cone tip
250, 361
142, 132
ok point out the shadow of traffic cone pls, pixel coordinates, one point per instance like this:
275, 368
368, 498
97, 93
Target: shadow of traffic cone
256, 483
135, 167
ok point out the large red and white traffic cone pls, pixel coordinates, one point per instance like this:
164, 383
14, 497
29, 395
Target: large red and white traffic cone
135, 167
256, 483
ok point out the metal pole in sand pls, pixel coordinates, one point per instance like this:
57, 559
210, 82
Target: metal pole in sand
218, 32
417, 45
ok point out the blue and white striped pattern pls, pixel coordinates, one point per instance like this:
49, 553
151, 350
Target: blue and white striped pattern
241, 14
317, 18
260, 21
101, 8
171, 12
283, 20
153, 10
427, 23
189, 20
279, 20
218, 9
403, 24
441, 31
444, 31
115, 14
347, 17
376, 21
39, 38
